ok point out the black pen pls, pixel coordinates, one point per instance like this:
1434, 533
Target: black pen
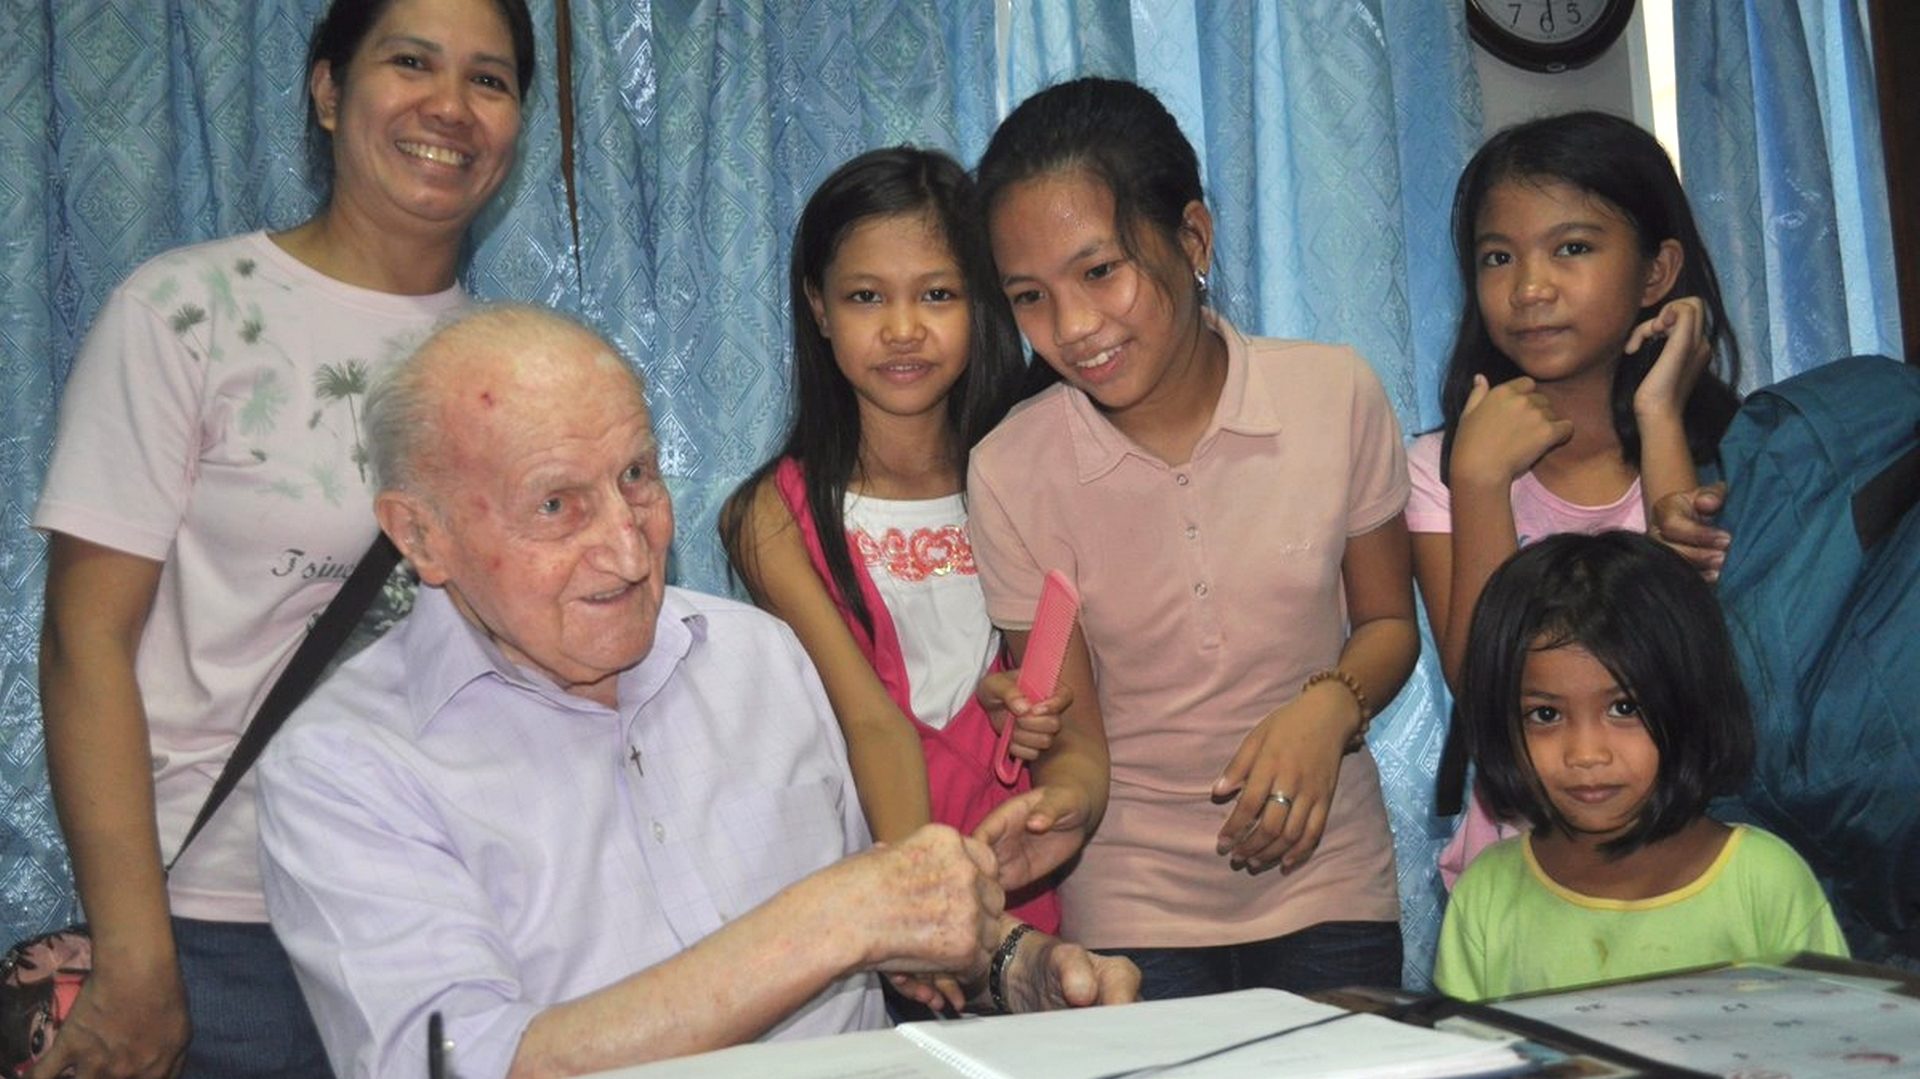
436, 1049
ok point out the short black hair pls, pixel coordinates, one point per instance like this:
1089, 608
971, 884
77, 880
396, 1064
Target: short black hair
344, 28
1643, 612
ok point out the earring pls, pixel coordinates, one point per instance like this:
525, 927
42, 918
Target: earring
1200, 281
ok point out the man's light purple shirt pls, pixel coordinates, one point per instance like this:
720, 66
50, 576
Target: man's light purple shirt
445, 831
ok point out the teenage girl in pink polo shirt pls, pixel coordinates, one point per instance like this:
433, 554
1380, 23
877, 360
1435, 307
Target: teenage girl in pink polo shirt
856, 532
1229, 508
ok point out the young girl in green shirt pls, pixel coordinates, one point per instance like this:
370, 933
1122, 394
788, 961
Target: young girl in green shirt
1602, 706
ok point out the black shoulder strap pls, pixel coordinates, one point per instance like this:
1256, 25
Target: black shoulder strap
1450, 780
329, 632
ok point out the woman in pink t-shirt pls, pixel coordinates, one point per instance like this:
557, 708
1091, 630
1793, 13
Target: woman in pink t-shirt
1229, 509
208, 493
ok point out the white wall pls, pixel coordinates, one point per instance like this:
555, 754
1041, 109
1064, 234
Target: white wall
1620, 81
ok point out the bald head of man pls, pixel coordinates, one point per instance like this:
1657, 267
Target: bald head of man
517, 470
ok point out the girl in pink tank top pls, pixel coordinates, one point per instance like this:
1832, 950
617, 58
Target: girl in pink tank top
854, 533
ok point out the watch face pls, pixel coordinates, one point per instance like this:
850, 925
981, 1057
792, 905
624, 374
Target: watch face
1547, 35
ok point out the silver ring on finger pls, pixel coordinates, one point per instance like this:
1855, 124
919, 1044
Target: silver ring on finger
1280, 799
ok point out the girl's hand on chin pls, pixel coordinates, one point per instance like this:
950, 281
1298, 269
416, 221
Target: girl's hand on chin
1503, 431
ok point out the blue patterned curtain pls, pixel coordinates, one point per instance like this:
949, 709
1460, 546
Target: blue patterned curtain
1780, 143
1330, 134
137, 127
134, 128
699, 130
714, 124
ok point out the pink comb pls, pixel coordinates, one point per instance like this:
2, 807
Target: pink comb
1046, 652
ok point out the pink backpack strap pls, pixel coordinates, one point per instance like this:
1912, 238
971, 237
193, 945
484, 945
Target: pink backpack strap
882, 647
959, 756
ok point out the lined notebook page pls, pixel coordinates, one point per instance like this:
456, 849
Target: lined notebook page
1096, 1042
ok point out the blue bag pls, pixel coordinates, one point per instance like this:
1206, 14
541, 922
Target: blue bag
1821, 589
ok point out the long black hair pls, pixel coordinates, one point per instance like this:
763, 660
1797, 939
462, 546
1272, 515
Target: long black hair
1619, 163
1117, 134
825, 434
1640, 610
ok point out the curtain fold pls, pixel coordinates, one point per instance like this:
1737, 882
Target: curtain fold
692, 173
1049, 42
133, 128
1780, 144
34, 893
700, 129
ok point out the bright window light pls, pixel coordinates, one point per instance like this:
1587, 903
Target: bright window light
1666, 120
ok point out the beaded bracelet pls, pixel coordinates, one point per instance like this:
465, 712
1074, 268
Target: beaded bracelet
997, 970
1335, 674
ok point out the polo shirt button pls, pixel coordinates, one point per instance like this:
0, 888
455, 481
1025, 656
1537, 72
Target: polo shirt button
1201, 590
659, 832
1192, 532
1180, 478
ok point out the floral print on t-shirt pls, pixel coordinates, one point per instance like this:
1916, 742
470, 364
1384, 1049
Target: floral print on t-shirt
917, 555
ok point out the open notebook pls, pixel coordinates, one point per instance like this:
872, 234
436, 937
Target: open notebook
1135, 1040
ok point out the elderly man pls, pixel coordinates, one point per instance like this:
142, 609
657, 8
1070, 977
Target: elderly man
589, 819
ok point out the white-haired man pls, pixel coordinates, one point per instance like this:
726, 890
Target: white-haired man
589, 819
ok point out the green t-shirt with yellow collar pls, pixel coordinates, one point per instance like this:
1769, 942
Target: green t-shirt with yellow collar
1511, 929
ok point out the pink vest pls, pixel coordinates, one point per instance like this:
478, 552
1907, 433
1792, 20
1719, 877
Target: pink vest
959, 756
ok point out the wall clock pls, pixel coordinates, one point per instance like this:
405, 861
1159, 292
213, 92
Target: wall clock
1547, 35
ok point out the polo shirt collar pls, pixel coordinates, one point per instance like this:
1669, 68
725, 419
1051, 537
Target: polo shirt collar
445, 654
1245, 407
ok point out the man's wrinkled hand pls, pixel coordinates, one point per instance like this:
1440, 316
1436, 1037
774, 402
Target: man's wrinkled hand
932, 903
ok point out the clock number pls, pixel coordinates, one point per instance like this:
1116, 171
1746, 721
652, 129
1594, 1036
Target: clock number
1548, 36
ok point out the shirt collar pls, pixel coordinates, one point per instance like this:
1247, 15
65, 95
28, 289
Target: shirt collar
445, 654
1245, 407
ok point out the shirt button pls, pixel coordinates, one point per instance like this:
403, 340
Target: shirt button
1180, 478
1201, 590
1192, 532
659, 832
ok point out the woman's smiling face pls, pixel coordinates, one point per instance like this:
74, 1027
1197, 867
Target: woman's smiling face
424, 123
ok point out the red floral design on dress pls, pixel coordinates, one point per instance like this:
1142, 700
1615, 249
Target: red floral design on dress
915, 556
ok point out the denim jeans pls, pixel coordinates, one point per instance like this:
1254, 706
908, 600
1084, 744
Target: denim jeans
1325, 956
249, 1019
